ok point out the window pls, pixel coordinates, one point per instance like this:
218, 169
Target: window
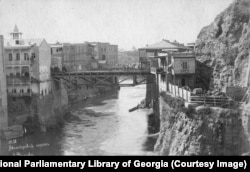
33, 56
26, 56
10, 57
17, 57
18, 74
184, 66
58, 49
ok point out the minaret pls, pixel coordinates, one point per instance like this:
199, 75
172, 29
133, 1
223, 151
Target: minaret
16, 35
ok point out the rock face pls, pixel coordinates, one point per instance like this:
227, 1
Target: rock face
201, 131
224, 46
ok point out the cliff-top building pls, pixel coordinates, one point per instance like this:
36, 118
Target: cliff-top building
172, 62
27, 65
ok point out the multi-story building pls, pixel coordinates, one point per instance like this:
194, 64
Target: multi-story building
106, 54
78, 56
73, 57
146, 54
181, 68
3, 95
113, 55
56, 55
172, 62
27, 65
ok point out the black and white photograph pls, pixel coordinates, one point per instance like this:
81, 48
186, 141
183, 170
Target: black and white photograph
125, 78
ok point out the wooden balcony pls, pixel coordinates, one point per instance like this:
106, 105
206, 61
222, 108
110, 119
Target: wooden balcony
16, 63
13, 80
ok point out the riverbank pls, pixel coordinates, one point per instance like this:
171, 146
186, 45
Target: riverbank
41, 113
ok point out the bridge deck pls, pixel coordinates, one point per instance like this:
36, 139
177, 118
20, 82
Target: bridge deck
104, 72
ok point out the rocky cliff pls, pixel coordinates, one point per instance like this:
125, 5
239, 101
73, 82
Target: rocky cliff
200, 131
224, 46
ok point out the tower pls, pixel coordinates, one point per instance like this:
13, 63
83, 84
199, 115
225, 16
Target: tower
16, 35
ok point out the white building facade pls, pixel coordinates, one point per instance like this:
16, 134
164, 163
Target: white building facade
27, 65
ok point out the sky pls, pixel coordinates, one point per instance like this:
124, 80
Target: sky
127, 23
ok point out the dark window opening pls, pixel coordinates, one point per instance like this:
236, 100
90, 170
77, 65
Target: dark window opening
184, 65
103, 57
26, 57
26, 74
17, 57
18, 74
10, 57
183, 82
33, 56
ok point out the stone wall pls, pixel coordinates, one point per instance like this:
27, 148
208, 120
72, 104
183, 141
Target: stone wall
39, 111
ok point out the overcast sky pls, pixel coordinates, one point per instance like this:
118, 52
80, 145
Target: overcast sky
127, 23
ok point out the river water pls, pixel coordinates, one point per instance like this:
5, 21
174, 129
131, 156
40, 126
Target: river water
99, 126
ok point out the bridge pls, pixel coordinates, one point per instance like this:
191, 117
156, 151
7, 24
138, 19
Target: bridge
95, 78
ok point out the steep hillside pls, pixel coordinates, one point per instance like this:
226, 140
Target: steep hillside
224, 46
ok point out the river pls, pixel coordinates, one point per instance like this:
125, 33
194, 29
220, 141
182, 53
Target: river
98, 126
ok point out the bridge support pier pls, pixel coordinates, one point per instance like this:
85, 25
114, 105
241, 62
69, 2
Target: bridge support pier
134, 80
152, 97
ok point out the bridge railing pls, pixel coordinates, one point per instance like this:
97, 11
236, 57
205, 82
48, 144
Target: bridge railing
55, 72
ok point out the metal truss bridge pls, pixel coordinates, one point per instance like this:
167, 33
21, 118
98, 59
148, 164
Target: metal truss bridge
103, 78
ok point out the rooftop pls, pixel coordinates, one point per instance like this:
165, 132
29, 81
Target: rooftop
23, 43
165, 45
184, 55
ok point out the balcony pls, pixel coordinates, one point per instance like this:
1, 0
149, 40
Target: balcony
13, 80
22, 62
19, 94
